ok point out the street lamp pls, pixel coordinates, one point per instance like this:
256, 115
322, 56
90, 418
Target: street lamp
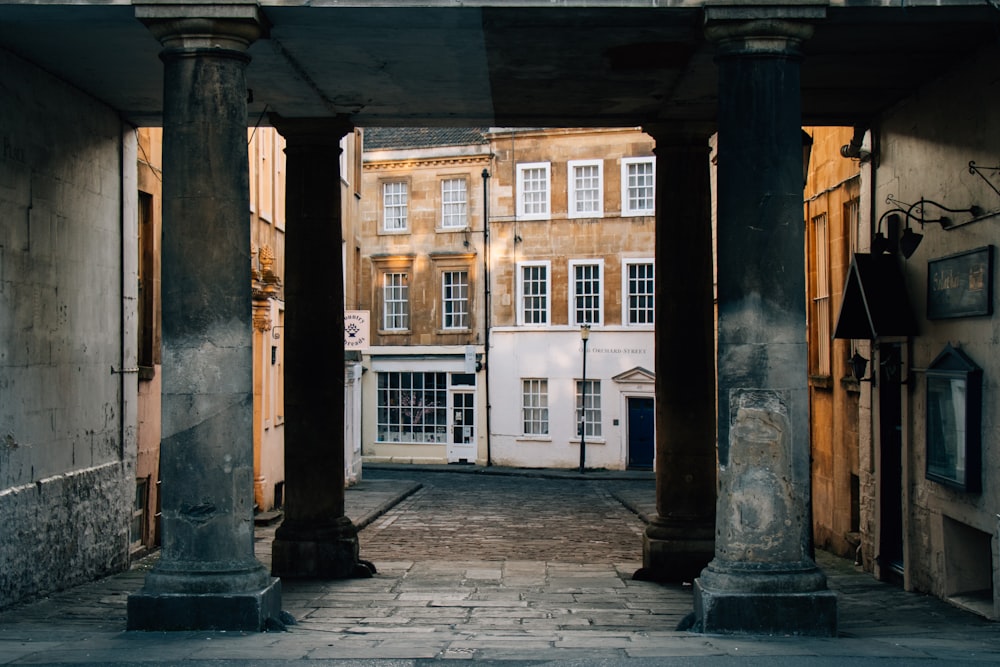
584, 336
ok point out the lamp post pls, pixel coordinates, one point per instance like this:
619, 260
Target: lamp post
584, 336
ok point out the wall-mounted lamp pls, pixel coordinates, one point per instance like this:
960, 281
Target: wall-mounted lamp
274, 331
858, 367
907, 244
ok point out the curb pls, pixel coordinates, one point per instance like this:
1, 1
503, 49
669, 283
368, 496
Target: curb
387, 505
540, 473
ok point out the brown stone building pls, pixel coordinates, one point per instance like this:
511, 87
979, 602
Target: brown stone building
832, 219
423, 278
487, 321
572, 237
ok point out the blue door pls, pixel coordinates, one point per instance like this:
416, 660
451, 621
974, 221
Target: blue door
641, 433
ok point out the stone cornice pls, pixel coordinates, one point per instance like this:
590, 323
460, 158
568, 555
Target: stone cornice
402, 165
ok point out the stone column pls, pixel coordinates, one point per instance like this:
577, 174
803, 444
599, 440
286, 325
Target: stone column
679, 541
763, 578
207, 577
315, 539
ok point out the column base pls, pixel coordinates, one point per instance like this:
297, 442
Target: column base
330, 552
674, 552
812, 613
248, 611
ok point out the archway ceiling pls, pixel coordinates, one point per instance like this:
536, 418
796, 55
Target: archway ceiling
623, 63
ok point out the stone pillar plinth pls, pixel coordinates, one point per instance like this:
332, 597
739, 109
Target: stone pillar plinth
315, 540
207, 577
763, 578
679, 541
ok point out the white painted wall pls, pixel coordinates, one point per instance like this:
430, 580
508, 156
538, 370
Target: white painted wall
557, 354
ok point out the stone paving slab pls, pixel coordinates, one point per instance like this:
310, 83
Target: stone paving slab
506, 609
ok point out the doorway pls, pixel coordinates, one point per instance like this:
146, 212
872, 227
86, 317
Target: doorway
890, 558
462, 426
641, 433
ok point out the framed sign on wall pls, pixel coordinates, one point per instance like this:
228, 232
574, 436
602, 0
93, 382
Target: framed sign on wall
960, 285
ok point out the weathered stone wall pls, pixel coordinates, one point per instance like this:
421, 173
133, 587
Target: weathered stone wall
66, 422
926, 146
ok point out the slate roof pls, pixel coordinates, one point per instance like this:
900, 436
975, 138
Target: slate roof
392, 138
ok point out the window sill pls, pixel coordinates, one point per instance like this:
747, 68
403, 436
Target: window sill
394, 332
452, 332
590, 441
821, 381
533, 438
407, 442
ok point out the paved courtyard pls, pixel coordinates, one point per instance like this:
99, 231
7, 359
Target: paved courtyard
496, 567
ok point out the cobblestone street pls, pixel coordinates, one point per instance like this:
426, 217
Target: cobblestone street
466, 517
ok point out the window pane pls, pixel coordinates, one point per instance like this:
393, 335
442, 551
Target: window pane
534, 294
821, 296
455, 298
587, 293
639, 192
534, 192
586, 189
394, 206
535, 406
412, 407
453, 203
395, 301
591, 415
640, 294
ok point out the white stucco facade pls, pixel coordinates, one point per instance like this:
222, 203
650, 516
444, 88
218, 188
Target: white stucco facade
556, 356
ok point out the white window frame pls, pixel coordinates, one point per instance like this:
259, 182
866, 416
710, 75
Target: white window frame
546, 200
627, 209
547, 295
461, 316
572, 185
592, 413
401, 222
404, 294
535, 407
627, 293
574, 264
462, 205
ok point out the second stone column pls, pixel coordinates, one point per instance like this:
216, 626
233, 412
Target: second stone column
315, 540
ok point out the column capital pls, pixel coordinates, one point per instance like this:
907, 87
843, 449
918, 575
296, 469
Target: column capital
318, 132
667, 133
193, 25
769, 31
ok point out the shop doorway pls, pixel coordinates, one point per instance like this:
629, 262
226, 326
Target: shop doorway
462, 426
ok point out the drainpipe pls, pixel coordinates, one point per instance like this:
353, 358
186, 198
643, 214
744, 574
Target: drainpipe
487, 306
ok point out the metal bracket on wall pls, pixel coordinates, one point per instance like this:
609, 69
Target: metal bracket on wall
974, 169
